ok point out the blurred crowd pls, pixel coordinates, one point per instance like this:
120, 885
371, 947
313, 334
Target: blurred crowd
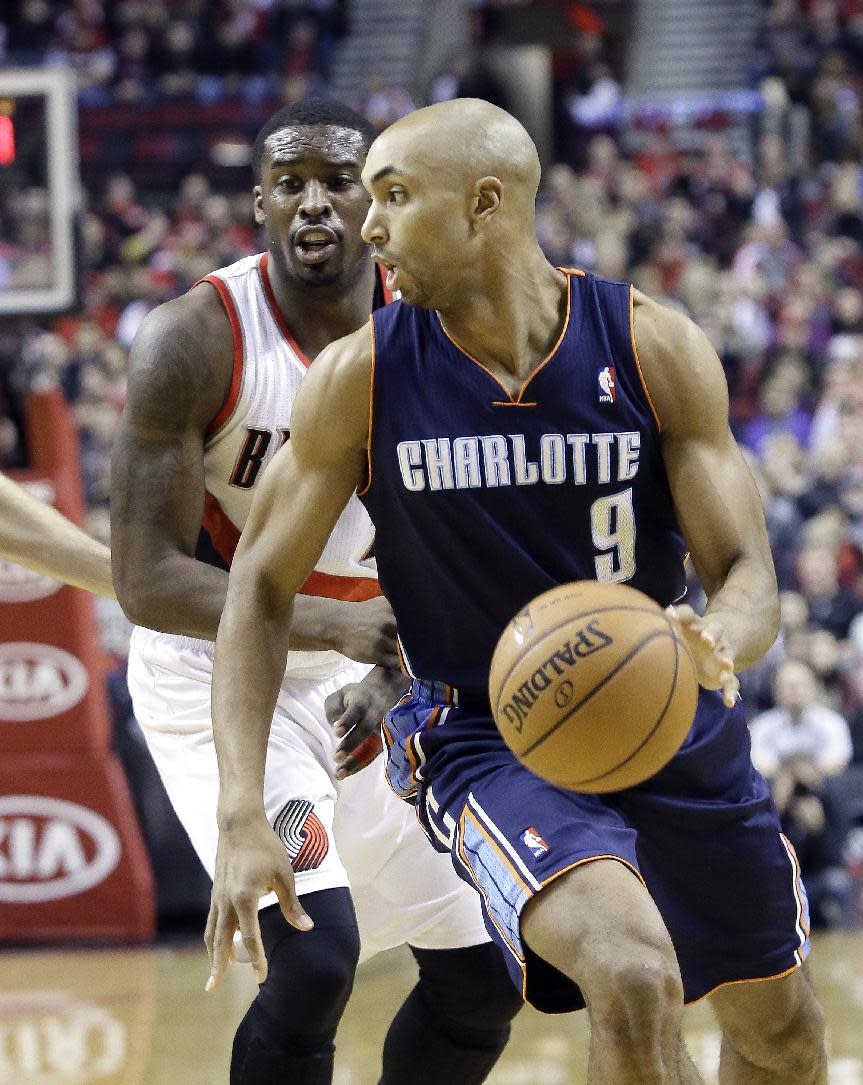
139, 51
765, 252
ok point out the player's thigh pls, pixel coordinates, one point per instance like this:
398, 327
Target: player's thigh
171, 704
171, 695
404, 891
764, 1015
416, 897
300, 804
597, 923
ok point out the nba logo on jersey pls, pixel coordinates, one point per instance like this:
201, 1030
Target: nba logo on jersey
607, 379
534, 842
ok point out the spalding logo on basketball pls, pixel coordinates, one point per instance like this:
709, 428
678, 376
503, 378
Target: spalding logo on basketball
591, 688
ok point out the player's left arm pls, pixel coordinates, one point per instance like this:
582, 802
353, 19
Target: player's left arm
715, 498
38, 536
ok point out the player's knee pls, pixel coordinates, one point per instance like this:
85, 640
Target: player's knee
471, 989
325, 976
310, 973
286, 1037
790, 1043
639, 999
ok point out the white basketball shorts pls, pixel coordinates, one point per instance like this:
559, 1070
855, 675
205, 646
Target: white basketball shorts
353, 832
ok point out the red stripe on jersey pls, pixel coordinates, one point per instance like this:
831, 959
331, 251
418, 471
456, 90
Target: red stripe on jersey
225, 535
350, 589
263, 266
227, 407
223, 532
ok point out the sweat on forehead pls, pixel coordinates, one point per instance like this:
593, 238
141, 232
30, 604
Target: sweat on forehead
321, 139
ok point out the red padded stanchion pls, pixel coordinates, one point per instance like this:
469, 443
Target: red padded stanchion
72, 860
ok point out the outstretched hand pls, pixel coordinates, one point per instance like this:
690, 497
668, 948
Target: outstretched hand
369, 633
355, 712
710, 650
250, 863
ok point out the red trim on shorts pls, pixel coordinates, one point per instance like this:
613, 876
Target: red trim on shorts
263, 270
227, 408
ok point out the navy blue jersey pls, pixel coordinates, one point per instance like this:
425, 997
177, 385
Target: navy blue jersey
482, 500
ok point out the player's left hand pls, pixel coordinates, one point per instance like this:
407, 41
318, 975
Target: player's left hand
710, 650
355, 712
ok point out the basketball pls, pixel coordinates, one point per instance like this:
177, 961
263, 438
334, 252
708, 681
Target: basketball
591, 688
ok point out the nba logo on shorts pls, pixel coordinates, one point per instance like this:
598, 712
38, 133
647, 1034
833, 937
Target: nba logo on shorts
534, 842
607, 379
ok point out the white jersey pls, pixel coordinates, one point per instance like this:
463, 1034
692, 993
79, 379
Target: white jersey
253, 423
336, 832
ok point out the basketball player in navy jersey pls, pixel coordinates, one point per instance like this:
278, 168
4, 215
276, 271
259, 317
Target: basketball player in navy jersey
212, 379
511, 426
41, 538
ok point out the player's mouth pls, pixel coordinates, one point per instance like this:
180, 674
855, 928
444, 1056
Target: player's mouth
315, 244
392, 273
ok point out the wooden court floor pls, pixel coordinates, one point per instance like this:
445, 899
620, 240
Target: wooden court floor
140, 1017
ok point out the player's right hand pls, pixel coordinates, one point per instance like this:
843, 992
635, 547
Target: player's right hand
250, 863
369, 634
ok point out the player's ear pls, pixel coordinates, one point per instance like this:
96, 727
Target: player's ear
258, 194
487, 196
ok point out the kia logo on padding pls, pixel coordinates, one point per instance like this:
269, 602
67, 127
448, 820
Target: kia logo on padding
50, 1036
38, 681
51, 848
20, 585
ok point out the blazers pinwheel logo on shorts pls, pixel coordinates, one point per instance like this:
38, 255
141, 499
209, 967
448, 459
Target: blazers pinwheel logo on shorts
302, 833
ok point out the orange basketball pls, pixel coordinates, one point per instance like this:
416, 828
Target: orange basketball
591, 688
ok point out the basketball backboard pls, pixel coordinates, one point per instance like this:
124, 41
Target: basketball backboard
40, 195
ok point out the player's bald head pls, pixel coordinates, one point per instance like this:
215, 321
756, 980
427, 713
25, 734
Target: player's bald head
459, 142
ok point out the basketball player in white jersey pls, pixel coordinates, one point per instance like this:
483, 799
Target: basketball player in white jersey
212, 380
38, 536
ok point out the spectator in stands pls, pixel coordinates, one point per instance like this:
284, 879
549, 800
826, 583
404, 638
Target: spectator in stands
467, 76
780, 411
831, 606
797, 746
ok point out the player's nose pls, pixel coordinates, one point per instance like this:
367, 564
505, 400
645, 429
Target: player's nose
373, 231
315, 201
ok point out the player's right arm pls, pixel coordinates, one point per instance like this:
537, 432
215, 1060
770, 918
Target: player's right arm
39, 537
293, 513
179, 373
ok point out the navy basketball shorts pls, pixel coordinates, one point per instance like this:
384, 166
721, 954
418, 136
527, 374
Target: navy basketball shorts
702, 835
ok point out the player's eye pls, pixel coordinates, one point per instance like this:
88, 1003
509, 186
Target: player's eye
396, 196
289, 183
344, 180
